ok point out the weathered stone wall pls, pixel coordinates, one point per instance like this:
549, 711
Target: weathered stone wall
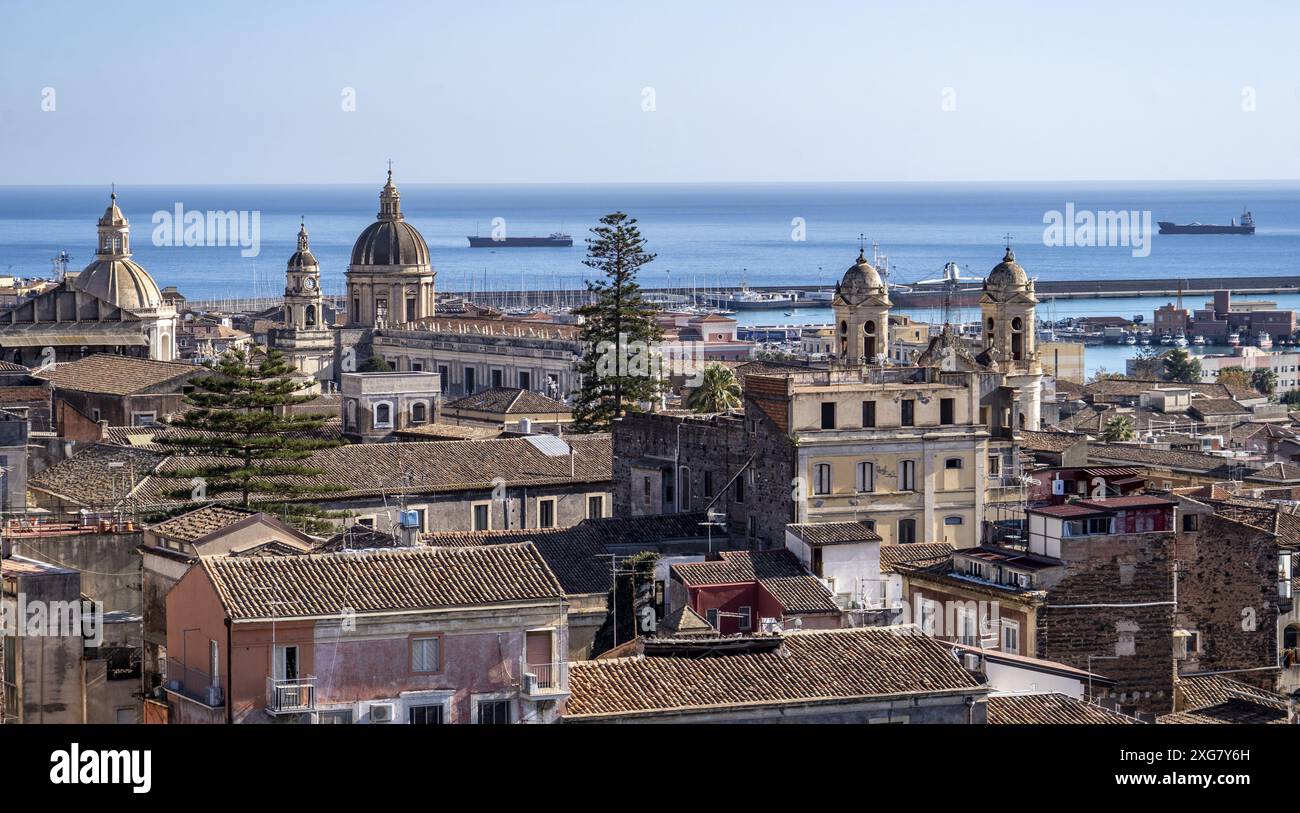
1114, 601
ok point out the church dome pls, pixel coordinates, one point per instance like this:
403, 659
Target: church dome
113, 276
860, 281
390, 240
122, 281
1007, 274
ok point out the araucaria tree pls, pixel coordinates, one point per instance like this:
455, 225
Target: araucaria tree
1181, 367
621, 367
246, 443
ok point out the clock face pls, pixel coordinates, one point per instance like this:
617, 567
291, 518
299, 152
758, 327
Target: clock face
309, 283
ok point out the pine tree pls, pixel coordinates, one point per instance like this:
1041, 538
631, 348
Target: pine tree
620, 368
1181, 367
244, 440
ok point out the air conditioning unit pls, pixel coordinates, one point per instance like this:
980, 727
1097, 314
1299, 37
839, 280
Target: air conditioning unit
971, 661
381, 712
529, 683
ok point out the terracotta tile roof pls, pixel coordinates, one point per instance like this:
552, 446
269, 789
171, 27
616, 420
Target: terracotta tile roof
449, 431
1049, 441
1278, 472
1106, 389
508, 401
200, 522
145, 437
828, 666
1199, 691
116, 375
1229, 712
16, 395
1049, 709
819, 534
319, 585
778, 571
891, 555
10, 367
87, 478
358, 537
1187, 461
684, 621
579, 554
1217, 406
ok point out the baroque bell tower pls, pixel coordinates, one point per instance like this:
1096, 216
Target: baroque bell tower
861, 307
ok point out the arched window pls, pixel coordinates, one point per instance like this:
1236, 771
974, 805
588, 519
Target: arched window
419, 412
352, 413
383, 414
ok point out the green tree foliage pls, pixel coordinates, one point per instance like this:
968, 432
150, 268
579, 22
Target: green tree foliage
1181, 367
375, 364
1117, 429
1148, 363
718, 390
245, 442
1264, 380
1234, 377
619, 369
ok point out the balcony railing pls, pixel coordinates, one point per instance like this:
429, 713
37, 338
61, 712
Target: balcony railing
291, 695
194, 684
544, 679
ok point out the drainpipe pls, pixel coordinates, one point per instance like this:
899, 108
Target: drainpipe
230, 678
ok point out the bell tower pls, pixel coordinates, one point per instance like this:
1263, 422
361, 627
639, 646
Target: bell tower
302, 295
861, 306
1007, 308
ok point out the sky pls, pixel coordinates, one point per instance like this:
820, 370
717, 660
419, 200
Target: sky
568, 91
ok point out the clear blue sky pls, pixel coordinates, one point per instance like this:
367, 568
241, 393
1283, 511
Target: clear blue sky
480, 91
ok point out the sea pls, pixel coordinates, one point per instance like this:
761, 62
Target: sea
704, 235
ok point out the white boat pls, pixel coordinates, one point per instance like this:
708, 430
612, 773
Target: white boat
1166, 339
1198, 341
1181, 341
1265, 341
1234, 339
1130, 339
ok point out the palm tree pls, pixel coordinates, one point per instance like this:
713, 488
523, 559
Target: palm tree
1117, 429
718, 390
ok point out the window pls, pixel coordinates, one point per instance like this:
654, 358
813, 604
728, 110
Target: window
946, 407
866, 477
868, 414
425, 715
144, 418
708, 484
214, 662
498, 378
684, 490
907, 475
383, 415
711, 615
419, 412
954, 520
906, 531
286, 662
822, 478
94, 415
1010, 637
525, 380
1191, 523
995, 465
410, 309
595, 506
546, 513
928, 616
336, 717
746, 618
952, 463
493, 712
444, 378
469, 381
828, 415
909, 412
740, 489
967, 626
481, 515
426, 654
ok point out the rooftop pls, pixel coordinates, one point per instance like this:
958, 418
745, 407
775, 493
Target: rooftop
891, 555
508, 401
116, 375
819, 534
777, 570
200, 522
809, 667
323, 585
1050, 708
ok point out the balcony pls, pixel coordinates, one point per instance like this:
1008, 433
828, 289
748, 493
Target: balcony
194, 684
291, 695
544, 681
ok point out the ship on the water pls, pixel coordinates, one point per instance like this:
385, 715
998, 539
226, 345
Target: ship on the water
556, 240
1246, 226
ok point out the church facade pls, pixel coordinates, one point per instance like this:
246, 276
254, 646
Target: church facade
111, 306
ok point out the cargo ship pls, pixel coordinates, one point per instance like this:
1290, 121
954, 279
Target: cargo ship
1246, 226
555, 240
